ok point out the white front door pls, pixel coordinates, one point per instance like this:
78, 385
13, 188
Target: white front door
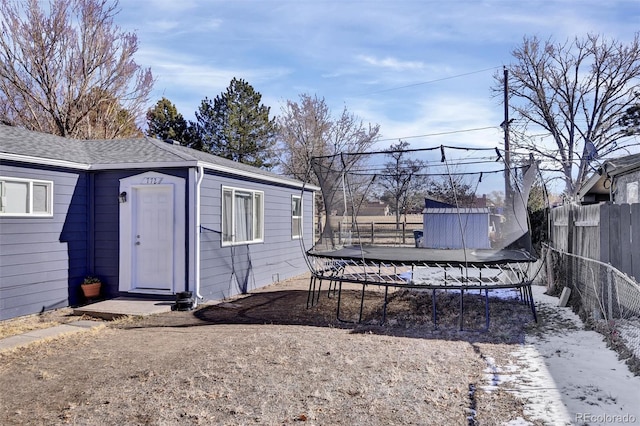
152, 234
153, 243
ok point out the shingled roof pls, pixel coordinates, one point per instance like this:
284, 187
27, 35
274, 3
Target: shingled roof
34, 147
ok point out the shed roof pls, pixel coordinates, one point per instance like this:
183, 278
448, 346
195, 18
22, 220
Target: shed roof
103, 154
453, 210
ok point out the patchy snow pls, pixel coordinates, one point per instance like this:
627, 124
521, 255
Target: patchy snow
629, 330
568, 376
431, 275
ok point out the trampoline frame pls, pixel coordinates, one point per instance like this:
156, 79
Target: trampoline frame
457, 270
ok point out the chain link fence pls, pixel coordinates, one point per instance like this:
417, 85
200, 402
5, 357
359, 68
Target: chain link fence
605, 298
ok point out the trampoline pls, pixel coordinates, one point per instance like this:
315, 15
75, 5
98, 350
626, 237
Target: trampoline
469, 259
417, 268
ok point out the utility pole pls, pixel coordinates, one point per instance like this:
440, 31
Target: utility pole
505, 126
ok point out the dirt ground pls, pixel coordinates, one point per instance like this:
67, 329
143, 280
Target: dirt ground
266, 359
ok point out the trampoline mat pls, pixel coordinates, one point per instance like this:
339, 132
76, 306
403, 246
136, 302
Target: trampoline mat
424, 256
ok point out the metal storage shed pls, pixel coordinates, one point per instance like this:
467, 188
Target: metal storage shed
456, 228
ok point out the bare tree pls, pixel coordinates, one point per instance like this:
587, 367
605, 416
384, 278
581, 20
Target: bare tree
66, 67
401, 178
577, 91
307, 132
455, 189
303, 130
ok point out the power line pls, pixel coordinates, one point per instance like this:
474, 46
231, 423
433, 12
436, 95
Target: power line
438, 134
428, 82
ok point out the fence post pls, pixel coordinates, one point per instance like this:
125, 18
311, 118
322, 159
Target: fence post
372, 226
340, 232
635, 237
551, 282
626, 247
609, 294
615, 235
404, 232
570, 228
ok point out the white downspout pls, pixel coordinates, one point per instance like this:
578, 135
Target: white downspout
197, 236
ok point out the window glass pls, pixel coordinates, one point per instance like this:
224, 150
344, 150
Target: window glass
40, 199
242, 216
258, 218
227, 215
16, 197
25, 197
296, 217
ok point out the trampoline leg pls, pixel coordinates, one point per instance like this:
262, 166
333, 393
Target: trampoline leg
384, 307
486, 307
312, 290
361, 304
435, 314
319, 291
313, 296
461, 307
334, 284
533, 305
339, 298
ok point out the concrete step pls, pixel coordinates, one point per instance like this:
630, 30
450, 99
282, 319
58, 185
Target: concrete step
124, 306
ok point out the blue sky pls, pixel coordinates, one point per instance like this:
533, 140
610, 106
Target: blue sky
413, 67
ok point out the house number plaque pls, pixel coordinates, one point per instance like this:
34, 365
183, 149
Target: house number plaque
152, 180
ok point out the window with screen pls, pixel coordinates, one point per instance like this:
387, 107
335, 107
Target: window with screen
25, 197
242, 216
296, 216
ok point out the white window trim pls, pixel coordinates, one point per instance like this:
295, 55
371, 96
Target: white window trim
30, 212
260, 207
300, 233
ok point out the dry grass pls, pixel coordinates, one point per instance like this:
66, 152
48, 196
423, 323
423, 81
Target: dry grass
266, 359
28, 323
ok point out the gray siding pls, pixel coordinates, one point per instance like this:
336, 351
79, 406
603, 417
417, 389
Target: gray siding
44, 259
227, 271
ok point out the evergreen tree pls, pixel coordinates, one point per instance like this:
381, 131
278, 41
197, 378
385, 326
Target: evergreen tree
165, 122
236, 126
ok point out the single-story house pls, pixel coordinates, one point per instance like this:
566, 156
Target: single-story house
616, 180
367, 208
146, 216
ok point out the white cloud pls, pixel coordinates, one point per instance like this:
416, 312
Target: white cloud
392, 63
162, 26
443, 119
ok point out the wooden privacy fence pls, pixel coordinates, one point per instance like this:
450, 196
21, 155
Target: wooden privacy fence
608, 233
